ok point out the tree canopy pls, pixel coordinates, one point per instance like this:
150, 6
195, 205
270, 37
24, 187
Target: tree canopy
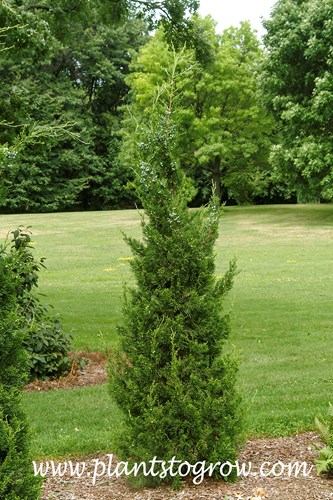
298, 86
71, 83
63, 66
224, 131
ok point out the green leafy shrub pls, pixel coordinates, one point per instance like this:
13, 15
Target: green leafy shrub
176, 386
17, 481
49, 347
325, 428
47, 344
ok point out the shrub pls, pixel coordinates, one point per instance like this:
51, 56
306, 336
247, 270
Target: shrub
325, 428
17, 481
47, 344
170, 376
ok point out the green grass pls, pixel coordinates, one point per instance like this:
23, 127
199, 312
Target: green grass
282, 319
84, 278
79, 421
282, 314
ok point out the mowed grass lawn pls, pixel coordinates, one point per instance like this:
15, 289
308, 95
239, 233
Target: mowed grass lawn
281, 314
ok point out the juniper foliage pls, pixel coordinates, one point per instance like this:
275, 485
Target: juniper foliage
171, 377
17, 481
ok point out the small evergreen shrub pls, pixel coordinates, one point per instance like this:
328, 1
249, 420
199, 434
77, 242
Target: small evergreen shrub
17, 481
45, 341
325, 428
175, 384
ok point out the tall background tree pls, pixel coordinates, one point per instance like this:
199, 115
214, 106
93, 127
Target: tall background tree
61, 78
221, 121
66, 70
298, 86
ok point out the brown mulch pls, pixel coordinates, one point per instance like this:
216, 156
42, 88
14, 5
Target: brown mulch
253, 487
93, 373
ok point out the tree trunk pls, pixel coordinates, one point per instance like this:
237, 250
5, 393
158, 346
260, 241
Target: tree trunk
214, 168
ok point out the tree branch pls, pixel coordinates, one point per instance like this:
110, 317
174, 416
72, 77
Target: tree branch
38, 7
153, 6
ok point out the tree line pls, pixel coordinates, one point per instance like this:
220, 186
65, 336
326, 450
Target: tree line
254, 120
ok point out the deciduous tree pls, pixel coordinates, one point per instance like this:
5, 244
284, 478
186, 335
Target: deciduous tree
221, 121
298, 85
71, 84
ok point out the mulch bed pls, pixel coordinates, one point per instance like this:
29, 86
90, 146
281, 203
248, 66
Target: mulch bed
94, 372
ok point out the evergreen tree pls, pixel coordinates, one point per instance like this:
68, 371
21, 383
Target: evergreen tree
17, 481
171, 377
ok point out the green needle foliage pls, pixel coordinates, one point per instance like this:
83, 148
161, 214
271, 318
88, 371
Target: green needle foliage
16, 475
171, 378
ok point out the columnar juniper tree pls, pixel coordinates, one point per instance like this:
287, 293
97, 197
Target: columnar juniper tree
17, 481
171, 378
